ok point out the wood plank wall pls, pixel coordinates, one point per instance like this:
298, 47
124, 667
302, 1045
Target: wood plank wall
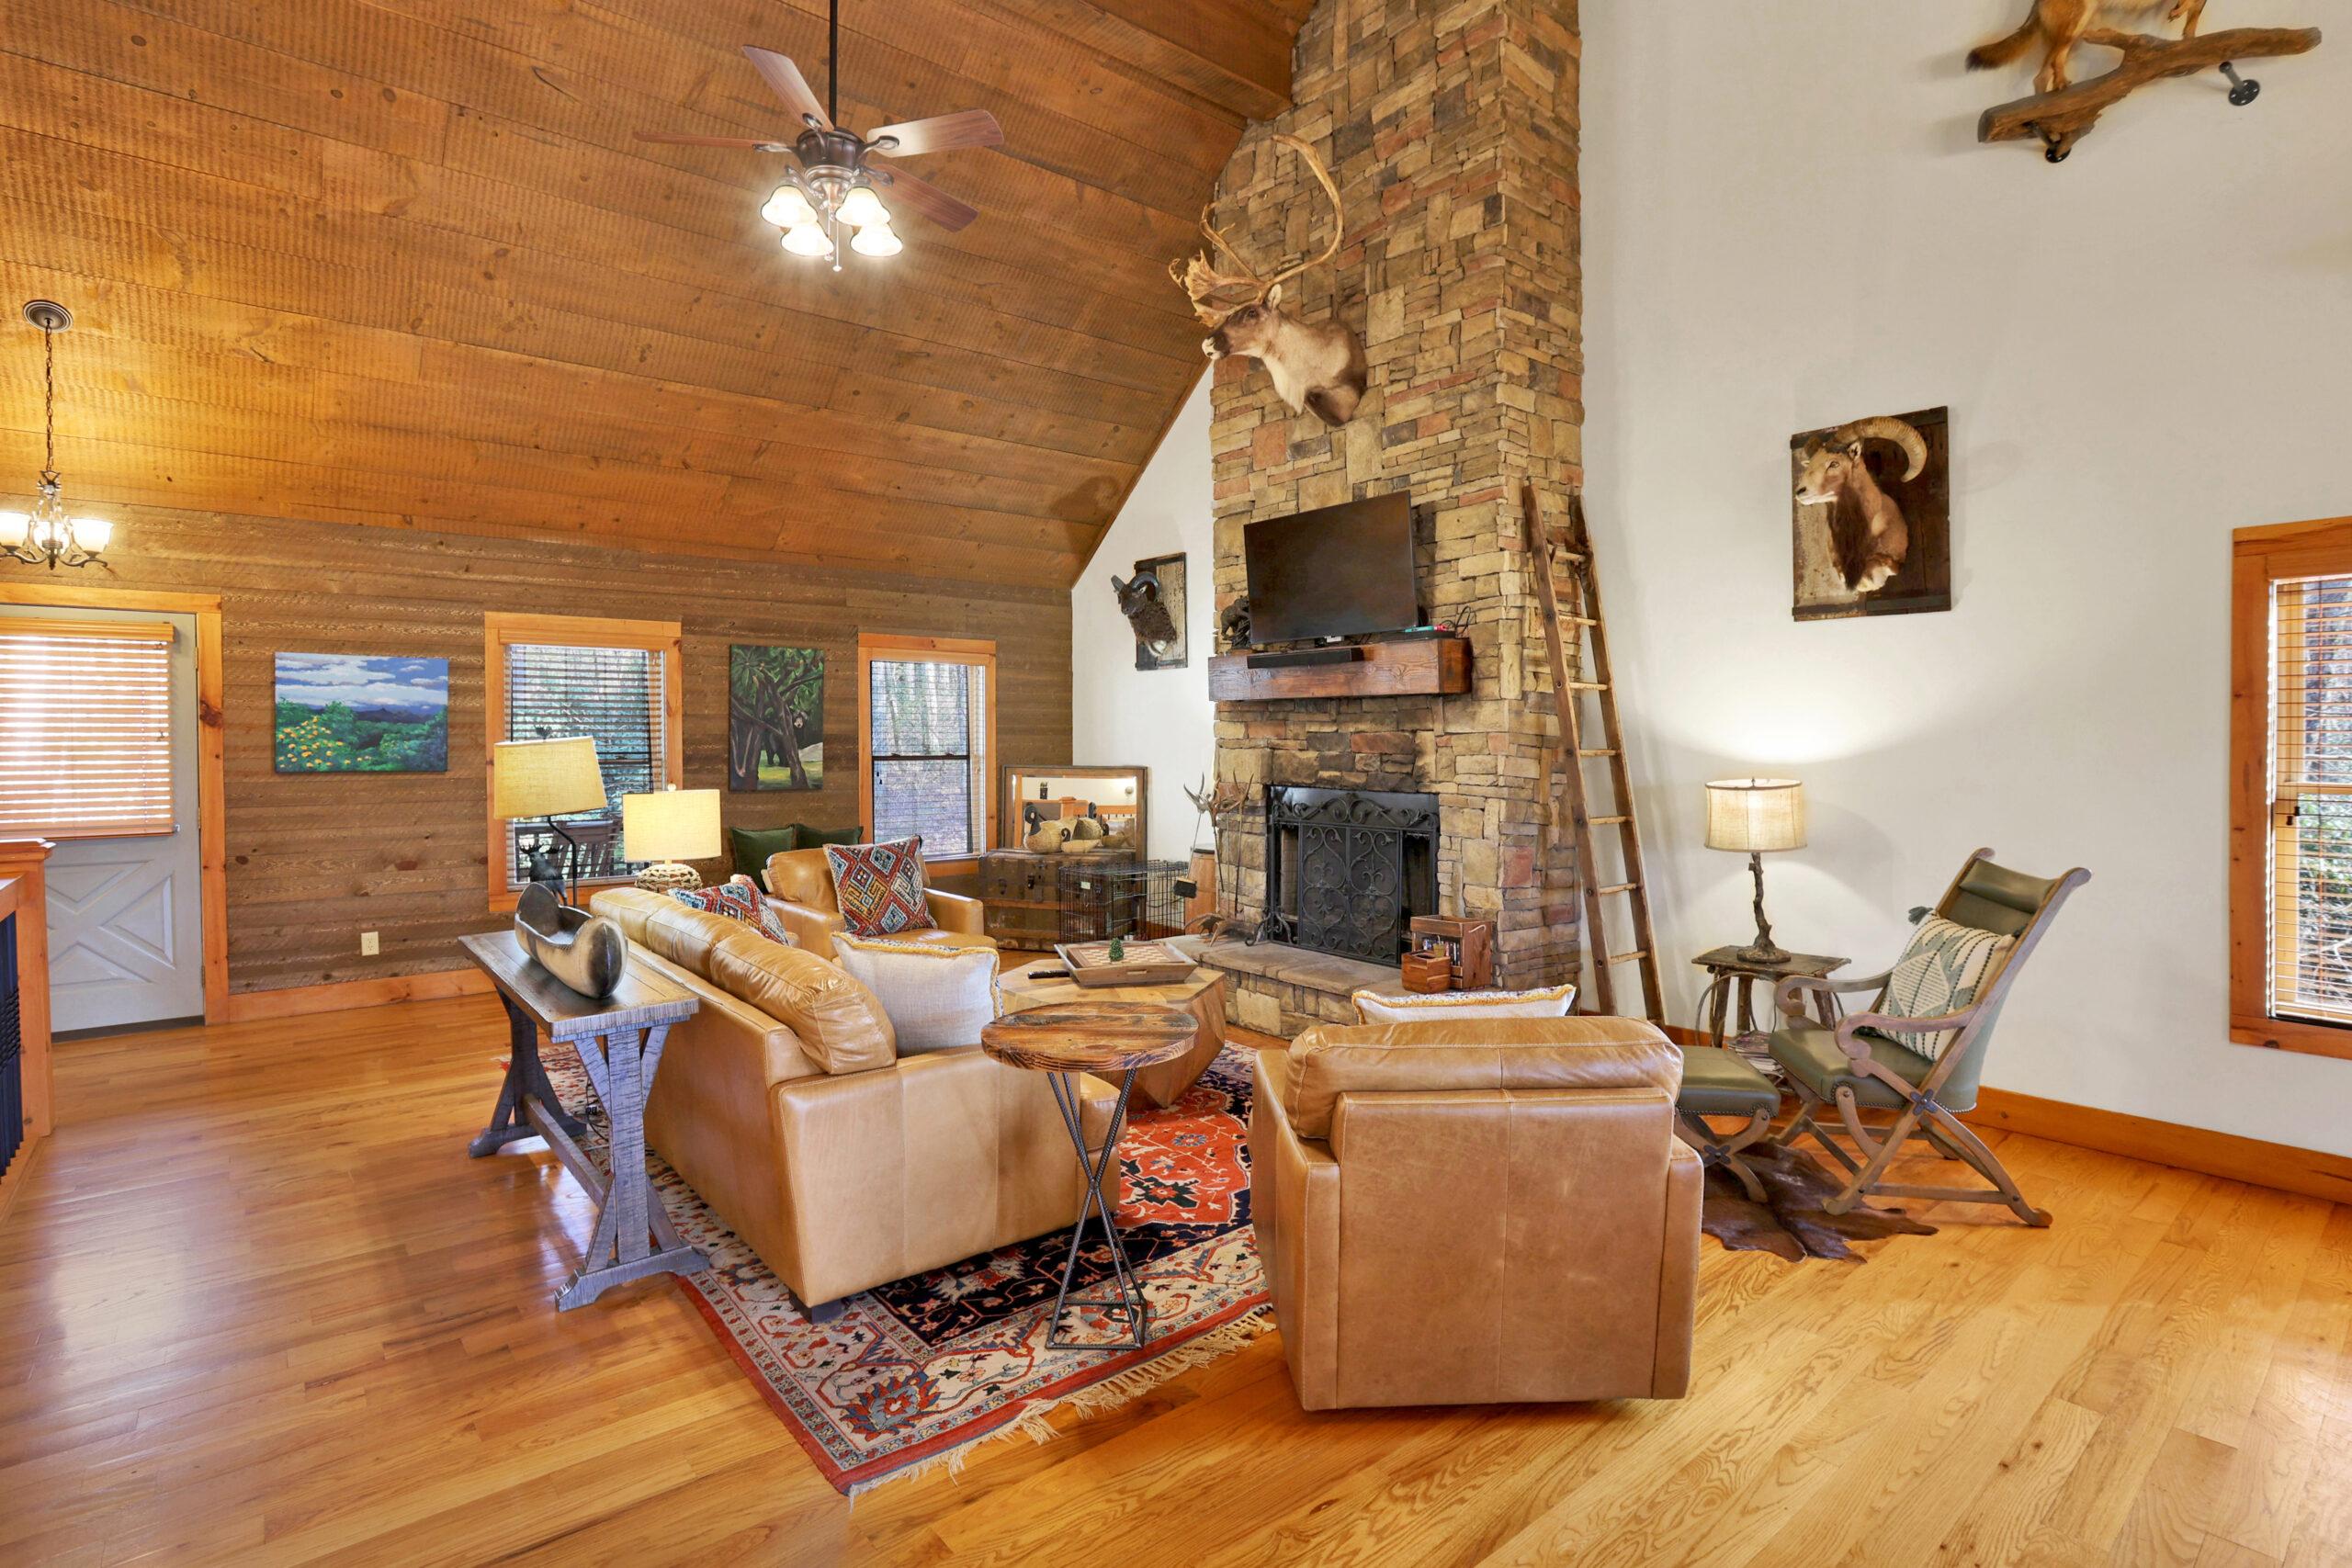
315, 859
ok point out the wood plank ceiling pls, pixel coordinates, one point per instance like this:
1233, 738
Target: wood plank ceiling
399, 262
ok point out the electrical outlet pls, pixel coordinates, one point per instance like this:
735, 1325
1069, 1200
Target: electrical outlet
368, 946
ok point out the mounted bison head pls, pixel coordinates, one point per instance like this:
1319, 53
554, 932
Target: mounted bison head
1868, 536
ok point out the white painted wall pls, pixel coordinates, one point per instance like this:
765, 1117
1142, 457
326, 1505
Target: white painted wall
1161, 720
1789, 222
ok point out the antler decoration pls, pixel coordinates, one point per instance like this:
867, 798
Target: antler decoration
1217, 294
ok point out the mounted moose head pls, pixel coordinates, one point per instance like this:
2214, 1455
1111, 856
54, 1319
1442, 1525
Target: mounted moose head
1868, 535
1146, 608
1319, 367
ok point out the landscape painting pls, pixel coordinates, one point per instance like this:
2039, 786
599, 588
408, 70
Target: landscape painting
775, 717
344, 713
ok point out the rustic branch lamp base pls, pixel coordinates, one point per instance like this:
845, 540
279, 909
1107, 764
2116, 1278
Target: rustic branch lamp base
1763, 950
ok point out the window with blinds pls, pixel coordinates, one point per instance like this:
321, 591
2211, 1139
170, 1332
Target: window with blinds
927, 752
2310, 799
85, 729
613, 695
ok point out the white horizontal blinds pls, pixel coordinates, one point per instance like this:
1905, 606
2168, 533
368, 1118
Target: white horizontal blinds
2311, 755
613, 695
85, 729
929, 753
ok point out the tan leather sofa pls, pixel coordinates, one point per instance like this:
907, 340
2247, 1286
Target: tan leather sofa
800, 888
1476, 1212
842, 1163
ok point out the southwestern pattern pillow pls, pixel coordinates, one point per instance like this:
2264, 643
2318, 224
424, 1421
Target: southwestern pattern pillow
736, 902
879, 887
1939, 972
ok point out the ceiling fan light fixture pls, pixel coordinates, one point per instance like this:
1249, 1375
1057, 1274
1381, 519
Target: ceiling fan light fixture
788, 207
862, 208
808, 239
876, 239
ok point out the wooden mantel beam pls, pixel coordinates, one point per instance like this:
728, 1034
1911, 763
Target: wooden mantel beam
2062, 118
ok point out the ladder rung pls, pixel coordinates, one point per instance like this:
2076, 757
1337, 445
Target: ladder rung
1580, 620
1596, 750
1588, 686
1607, 821
1628, 957
1618, 887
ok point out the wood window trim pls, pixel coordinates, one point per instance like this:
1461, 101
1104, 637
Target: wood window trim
211, 811
977, 651
2261, 558
502, 628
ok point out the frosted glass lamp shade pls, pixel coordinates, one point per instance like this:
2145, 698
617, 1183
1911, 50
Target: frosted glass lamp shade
15, 528
876, 239
1749, 815
670, 825
545, 778
788, 208
91, 534
808, 240
861, 206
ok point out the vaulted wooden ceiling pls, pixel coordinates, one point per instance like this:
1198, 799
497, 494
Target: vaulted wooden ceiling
401, 262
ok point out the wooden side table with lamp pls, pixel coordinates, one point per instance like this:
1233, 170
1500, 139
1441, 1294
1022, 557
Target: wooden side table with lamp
1755, 816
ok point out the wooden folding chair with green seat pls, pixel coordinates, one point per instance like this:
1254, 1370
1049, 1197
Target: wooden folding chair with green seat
1922, 1068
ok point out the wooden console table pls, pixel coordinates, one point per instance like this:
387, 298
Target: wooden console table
619, 1039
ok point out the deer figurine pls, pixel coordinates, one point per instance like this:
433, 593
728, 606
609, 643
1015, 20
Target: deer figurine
1317, 366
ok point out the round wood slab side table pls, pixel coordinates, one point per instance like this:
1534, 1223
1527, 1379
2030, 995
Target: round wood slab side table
1202, 994
1104, 1039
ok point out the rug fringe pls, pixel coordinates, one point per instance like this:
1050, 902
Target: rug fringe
1035, 1421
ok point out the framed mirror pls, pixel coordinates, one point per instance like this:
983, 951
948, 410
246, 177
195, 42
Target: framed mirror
1064, 810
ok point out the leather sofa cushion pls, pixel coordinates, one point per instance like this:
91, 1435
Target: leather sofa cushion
839, 1021
803, 876
1487, 1054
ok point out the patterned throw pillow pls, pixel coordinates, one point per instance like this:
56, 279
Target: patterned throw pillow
936, 997
1410, 1007
1939, 972
737, 903
880, 886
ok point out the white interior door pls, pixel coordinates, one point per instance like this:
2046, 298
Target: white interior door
126, 913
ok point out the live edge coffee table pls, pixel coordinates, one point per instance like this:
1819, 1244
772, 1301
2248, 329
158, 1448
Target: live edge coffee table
619, 1039
1109, 1040
1202, 994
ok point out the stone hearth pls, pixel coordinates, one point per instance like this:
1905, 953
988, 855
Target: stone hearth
1279, 989
1452, 131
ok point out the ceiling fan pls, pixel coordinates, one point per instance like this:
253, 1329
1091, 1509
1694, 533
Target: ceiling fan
835, 185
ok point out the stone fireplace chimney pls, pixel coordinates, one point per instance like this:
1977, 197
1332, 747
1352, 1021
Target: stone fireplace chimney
1451, 130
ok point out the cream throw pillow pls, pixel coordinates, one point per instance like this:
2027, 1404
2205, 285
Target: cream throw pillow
937, 997
1410, 1007
1939, 972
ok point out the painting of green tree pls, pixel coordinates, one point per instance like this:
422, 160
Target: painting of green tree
340, 713
775, 717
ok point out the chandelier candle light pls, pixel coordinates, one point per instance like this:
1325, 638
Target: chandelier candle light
45, 536
1754, 815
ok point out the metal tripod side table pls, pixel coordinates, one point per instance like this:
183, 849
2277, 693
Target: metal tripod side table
1104, 1039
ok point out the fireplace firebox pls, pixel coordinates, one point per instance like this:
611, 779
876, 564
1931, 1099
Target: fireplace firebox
1347, 869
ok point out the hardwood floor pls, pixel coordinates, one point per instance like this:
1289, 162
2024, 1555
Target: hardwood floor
256, 1306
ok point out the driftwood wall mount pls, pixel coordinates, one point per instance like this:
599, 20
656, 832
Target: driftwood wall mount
2066, 117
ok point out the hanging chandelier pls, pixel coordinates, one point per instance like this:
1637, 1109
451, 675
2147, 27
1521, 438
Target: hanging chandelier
45, 536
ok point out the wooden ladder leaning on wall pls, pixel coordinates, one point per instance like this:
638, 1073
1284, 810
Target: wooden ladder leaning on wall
1560, 556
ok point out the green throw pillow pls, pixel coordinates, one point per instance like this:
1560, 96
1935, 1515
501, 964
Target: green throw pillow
817, 838
1939, 972
752, 847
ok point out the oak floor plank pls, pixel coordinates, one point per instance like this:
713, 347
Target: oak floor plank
263, 1309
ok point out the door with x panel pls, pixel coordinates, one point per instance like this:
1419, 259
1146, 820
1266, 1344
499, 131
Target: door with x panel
97, 752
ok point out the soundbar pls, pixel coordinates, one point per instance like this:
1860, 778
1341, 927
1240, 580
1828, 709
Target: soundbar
1306, 656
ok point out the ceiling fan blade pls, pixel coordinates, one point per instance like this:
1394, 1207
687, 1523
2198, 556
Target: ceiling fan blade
789, 85
928, 199
965, 128
678, 139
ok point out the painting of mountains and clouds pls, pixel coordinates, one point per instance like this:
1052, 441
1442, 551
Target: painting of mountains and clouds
343, 713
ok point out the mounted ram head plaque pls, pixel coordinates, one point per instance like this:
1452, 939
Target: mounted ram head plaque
1872, 516
1153, 602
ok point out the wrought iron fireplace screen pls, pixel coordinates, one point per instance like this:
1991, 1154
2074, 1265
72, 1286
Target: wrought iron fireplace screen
1345, 869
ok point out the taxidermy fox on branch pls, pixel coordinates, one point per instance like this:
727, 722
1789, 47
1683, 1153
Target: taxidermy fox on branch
2060, 25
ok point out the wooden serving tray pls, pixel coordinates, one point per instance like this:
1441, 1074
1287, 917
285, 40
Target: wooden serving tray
1145, 964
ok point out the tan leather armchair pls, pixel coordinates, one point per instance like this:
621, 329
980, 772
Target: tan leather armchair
783, 1103
801, 890
1521, 1222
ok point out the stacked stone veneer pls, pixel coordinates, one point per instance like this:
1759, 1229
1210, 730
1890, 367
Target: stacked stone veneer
1451, 130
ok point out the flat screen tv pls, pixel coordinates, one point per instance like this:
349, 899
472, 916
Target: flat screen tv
1344, 570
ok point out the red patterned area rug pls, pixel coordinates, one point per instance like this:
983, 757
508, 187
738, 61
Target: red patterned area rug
913, 1373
